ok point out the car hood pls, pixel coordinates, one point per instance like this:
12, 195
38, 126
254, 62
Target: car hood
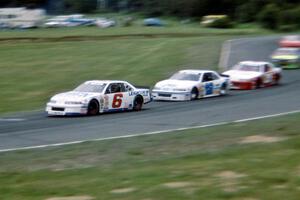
237, 74
170, 84
73, 96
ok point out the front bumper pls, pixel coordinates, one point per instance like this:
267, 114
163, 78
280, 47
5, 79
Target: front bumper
291, 66
65, 110
287, 64
241, 85
171, 96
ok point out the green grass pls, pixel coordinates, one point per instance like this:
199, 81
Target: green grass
208, 163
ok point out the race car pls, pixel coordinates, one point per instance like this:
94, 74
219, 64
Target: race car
287, 58
190, 85
290, 41
99, 96
249, 75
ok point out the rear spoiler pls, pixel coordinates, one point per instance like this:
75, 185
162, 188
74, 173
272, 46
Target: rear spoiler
224, 75
142, 87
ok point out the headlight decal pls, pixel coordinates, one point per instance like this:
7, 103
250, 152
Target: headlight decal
180, 89
52, 101
73, 102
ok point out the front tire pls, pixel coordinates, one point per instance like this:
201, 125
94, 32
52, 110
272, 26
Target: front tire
194, 94
93, 107
224, 89
258, 83
138, 103
276, 79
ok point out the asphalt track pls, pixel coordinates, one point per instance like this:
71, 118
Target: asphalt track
35, 128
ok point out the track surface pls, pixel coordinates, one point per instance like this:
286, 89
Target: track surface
38, 129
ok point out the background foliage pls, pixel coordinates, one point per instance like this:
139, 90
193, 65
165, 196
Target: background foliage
273, 14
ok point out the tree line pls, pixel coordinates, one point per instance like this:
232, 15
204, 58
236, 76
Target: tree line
273, 14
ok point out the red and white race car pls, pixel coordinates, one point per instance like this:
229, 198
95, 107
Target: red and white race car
249, 75
290, 41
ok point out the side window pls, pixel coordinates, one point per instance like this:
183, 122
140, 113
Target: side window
207, 77
107, 91
128, 88
113, 88
122, 87
214, 76
267, 68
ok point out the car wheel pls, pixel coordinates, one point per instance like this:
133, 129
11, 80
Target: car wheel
276, 79
224, 89
138, 103
194, 94
93, 108
258, 83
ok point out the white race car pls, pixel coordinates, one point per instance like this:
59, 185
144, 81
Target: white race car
93, 97
249, 75
191, 84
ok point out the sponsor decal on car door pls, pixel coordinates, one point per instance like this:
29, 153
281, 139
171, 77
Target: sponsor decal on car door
208, 82
209, 88
114, 97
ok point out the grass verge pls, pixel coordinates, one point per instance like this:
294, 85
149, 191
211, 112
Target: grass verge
249, 160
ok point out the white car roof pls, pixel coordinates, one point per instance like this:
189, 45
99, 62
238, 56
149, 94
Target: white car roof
254, 63
194, 71
100, 82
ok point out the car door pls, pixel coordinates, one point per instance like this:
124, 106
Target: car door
115, 97
268, 74
128, 95
208, 84
218, 83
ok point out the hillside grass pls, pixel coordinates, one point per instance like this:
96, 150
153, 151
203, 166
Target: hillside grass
250, 160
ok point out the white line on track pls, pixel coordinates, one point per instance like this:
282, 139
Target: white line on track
267, 116
11, 119
149, 133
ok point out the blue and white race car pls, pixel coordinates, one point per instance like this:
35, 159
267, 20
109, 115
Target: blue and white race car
93, 97
191, 84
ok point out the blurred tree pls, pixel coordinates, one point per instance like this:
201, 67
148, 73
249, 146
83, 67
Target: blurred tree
80, 6
289, 19
269, 16
55, 7
26, 3
243, 11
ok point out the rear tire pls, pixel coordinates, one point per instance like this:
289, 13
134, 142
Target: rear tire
138, 103
93, 107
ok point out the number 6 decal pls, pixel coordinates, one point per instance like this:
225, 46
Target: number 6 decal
117, 101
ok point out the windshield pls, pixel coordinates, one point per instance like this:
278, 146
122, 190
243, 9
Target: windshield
185, 76
285, 52
90, 87
243, 67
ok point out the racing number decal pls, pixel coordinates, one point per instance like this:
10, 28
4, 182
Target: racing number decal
209, 87
117, 101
